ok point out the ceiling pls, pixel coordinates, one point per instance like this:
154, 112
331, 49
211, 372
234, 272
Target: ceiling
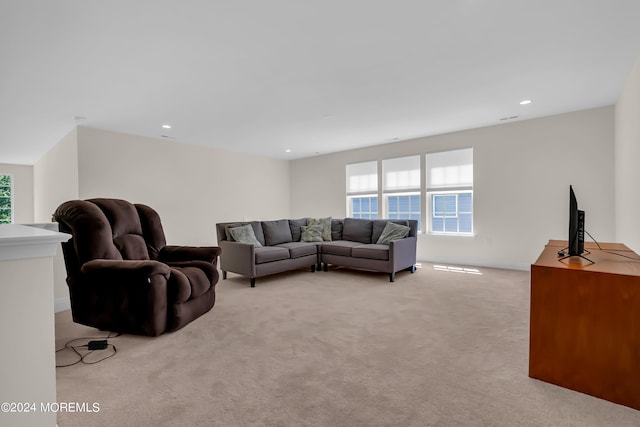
307, 76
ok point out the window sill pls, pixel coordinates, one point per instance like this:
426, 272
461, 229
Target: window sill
472, 235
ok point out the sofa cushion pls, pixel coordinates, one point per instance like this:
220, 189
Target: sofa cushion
294, 225
244, 234
339, 247
326, 226
311, 233
276, 232
299, 249
371, 251
270, 254
393, 232
336, 229
379, 224
357, 230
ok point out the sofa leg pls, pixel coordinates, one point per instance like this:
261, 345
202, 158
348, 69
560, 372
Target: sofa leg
392, 277
313, 268
412, 269
253, 282
224, 275
326, 267
319, 266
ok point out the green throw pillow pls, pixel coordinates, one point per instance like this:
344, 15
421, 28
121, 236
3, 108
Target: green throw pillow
311, 233
244, 234
393, 231
326, 226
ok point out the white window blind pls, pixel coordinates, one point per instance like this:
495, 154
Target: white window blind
362, 178
450, 170
401, 174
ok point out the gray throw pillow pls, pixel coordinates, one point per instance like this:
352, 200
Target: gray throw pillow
393, 231
311, 233
244, 234
326, 226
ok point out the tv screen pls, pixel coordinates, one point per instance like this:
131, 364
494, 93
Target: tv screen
576, 226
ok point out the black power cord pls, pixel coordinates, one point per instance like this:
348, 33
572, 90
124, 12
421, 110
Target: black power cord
83, 351
610, 252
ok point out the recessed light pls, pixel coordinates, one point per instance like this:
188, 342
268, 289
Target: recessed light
166, 126
525, 102
288, 150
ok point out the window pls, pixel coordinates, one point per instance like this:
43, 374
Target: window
401, 188
362, 190
364, 207
452, 213
439, 195
450, 191
6, 199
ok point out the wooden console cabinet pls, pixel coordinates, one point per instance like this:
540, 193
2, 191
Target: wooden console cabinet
585, 322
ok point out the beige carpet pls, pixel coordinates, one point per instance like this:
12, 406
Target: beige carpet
341, 348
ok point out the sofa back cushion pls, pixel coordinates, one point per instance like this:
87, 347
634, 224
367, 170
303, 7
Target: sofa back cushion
276, 232
336, 229
357, 230
294, 225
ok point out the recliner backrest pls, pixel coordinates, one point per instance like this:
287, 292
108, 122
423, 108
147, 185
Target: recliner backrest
111, 229
126, 228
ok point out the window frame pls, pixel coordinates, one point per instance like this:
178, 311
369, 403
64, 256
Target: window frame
445, 188
457, 215
352, 214
412, 187
418, 211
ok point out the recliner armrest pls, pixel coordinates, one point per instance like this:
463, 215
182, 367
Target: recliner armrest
189, 253
127, 269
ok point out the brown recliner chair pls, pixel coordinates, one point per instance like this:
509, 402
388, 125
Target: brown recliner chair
122, 276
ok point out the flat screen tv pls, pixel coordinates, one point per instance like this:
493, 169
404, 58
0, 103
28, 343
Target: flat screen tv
576, 226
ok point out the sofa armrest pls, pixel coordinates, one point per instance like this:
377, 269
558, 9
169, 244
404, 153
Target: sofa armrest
126, 270
402, 252
238, 258
189, 253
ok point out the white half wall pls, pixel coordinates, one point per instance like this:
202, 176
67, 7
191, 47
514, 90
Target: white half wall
627, 158
190, 186
522, 173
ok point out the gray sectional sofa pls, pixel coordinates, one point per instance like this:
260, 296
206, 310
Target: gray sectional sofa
277, 246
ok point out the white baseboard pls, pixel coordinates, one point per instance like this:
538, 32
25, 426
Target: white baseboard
472, 263
61, 304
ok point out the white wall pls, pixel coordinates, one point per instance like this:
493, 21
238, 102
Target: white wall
22, 191
55, 180
55, 177
627, 158
522, 173
191, 187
